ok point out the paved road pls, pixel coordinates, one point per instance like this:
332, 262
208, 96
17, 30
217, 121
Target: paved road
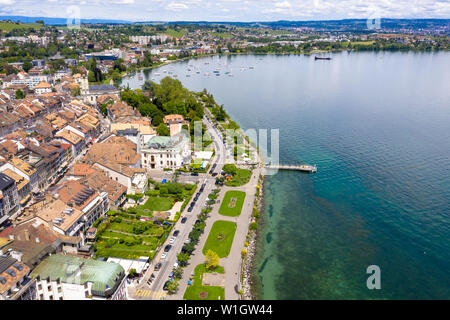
155, 289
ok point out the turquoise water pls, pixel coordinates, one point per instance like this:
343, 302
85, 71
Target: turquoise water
378, 127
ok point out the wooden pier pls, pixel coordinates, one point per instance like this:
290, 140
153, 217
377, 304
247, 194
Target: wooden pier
303, 167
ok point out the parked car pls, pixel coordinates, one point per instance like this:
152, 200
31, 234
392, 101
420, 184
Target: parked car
176, 232
158, 266
172, 240
167, 248
184, 220
190, 208
163, 255
195, 174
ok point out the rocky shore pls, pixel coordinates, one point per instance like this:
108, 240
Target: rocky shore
248, 262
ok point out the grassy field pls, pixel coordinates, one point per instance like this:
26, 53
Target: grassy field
158, 204
240, 178
220, 238
8, 26
174, 33
193, 291
232, 203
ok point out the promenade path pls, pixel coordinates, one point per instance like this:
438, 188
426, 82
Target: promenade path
231, 263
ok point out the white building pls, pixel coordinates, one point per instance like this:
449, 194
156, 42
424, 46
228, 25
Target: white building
61, 277
166, 152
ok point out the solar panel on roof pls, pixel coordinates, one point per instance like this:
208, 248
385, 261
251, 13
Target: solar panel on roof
11, 272
18, 266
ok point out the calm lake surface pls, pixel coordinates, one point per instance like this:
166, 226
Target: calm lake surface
378, 127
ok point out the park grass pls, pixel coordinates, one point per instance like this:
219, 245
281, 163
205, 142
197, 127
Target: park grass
225, 210
241, 177
192, 292
157, 204
222, 246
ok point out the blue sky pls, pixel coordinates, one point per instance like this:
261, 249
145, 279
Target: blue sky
228, 10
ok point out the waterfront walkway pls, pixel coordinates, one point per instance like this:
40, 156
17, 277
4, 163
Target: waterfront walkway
232, 263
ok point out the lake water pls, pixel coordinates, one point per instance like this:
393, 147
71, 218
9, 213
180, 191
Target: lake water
378, 127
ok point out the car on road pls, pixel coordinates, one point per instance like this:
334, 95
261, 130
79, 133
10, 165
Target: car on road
195, 174
158, 266
163, 255
214, 174
172, 240
176, 232
175, 264
184, 220
167, 248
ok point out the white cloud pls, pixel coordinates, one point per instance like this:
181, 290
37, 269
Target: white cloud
176, 6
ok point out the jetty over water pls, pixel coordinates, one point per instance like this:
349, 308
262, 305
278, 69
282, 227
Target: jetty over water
302, 167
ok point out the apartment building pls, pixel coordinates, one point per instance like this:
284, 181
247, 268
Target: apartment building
63, 277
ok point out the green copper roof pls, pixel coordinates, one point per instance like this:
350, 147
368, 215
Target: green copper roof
104, 276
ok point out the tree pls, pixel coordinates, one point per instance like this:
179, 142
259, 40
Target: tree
75, 91
27, 65
183, 259
230, 168
20, 94
132, 273
172, 286
212, 259
177, 272
163, 130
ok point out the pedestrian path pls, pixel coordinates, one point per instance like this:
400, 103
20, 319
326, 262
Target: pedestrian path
153, 295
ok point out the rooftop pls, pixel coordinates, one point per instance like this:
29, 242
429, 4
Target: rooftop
104, 276
23, 166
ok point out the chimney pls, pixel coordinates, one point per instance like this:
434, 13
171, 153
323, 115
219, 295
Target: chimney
27, 235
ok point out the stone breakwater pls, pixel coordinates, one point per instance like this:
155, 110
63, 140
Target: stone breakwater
248, 261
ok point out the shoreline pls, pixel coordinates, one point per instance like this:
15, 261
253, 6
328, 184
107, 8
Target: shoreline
247, 272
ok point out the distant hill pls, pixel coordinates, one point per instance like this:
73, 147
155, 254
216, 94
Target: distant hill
331, 25
60, 21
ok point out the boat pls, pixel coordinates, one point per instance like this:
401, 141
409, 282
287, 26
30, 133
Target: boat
140, 78
321, 58
188, 75
251, 67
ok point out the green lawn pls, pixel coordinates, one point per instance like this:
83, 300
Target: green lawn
220, 238
193, 291
240, 178
227, 208
158, 204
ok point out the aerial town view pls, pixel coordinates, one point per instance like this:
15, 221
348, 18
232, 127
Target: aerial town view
224, 150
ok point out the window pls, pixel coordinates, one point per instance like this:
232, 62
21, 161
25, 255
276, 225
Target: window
41, 296
51, 297
39, 286
49, 288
